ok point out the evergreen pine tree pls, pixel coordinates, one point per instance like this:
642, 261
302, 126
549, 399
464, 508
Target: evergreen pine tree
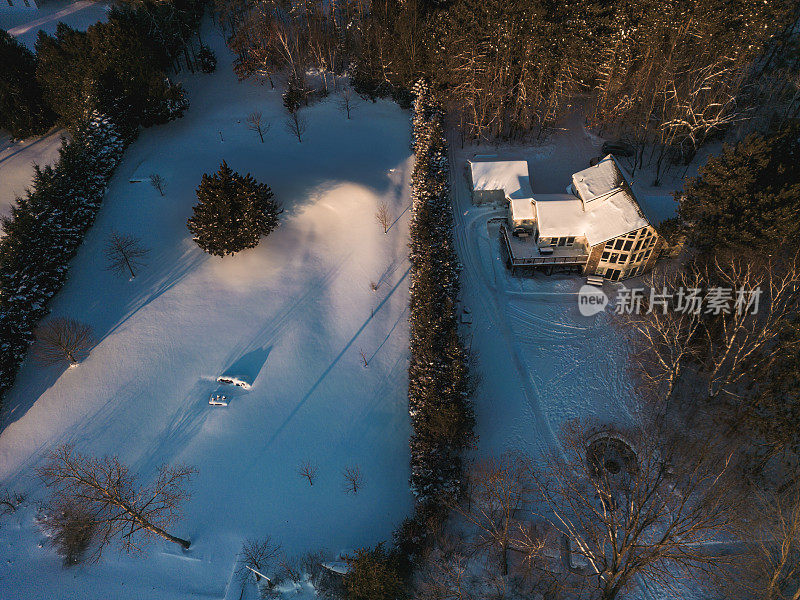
748, 197
23, 111
233, 213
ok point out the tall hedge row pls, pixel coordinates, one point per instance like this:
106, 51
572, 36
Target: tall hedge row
438, 380
44, 232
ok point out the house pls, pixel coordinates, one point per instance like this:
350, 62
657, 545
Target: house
597, 228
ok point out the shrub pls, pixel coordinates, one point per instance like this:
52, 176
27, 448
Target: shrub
208, 59
71, 530
373, 575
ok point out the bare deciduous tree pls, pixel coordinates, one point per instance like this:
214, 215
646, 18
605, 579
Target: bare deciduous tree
290, 568
652, 519
308, 470
62, 340
107, 493
10, 501
257, 559
499, 489
770, 530
722, 347
125, 253
353, 479
446, 573
71, 529
158, 182
296, 124
364, 358
346, 101
256, 122
383, 217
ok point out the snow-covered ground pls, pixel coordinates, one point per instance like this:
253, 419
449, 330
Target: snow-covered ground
540, 363
299, 306
16, 164
25, 25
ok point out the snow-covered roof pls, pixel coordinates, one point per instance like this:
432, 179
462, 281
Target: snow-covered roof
522, 209
599, 180
563, 215
511, 176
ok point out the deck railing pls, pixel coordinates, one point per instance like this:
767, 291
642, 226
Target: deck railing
577, 259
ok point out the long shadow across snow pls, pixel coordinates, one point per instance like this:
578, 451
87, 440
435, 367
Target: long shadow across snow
333, 363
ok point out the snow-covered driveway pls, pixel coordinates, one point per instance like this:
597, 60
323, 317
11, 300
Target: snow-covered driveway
539, 362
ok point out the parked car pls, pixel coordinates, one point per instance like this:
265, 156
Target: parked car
619, 148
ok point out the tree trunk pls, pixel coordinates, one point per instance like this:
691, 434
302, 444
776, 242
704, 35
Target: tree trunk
128, 264
169, 537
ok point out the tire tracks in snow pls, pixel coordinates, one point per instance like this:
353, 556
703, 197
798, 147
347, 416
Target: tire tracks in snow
495, 305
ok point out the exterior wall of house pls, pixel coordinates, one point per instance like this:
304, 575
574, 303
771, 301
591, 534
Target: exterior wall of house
628, 255
661, 245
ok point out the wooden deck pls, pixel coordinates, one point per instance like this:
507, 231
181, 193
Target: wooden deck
526, 253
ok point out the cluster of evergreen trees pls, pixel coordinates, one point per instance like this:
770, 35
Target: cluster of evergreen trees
23, 111
44, 231
102, 84
119, 67
438, 386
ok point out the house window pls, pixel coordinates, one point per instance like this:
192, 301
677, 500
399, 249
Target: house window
627, 245
570, 241
618, 244
613, 258
562, 241
605, 255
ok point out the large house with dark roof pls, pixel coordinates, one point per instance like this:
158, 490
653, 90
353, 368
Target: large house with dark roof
597, 228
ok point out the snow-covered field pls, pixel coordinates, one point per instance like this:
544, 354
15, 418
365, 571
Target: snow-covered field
25, 24
299, 306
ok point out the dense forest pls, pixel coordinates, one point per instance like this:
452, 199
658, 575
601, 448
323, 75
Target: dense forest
668, 75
